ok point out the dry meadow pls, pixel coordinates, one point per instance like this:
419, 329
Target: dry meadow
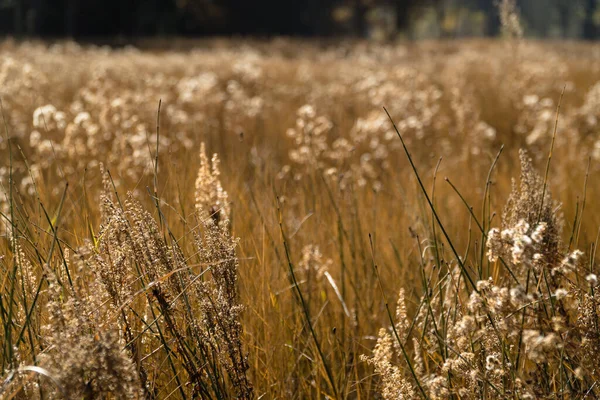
286, 219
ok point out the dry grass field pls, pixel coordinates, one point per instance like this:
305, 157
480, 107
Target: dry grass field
242, 219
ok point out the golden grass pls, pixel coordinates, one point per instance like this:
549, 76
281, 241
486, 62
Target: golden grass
329, 217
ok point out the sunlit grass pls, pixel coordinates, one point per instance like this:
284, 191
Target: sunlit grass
273, 268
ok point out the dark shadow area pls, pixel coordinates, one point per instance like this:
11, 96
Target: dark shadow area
123, 21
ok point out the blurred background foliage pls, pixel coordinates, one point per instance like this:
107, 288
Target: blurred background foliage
375, 19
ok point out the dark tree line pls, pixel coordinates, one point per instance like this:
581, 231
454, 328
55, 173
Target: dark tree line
590, 29
89, 18
136, 18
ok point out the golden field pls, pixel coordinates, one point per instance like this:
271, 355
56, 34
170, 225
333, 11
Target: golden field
322, 252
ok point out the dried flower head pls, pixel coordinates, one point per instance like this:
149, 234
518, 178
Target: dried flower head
212, 202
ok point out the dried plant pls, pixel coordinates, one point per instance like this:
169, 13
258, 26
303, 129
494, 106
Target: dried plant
509, 19
518, 333
211, 200
281, 215
83, 352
